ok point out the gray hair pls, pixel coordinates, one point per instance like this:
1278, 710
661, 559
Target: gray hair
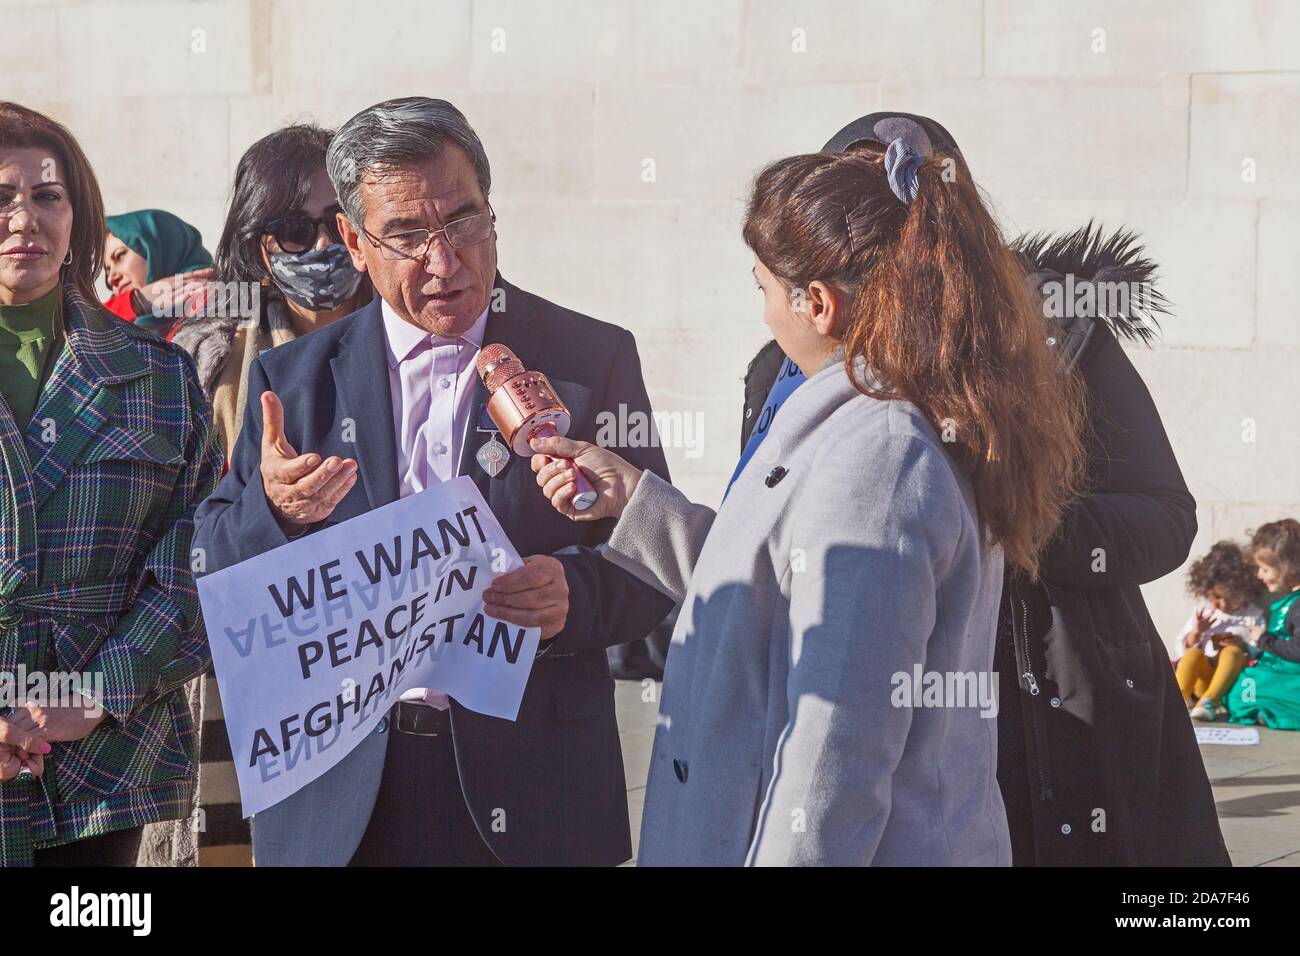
402, 132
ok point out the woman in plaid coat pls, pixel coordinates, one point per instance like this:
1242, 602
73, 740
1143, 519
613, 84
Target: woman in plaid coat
105, 451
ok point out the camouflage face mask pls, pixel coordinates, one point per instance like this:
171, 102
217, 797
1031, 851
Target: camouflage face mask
319, 279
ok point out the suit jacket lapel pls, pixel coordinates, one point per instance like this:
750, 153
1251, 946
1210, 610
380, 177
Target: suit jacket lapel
512, 323
76, 402
361, 375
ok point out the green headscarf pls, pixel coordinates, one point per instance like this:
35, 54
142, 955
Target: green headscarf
169, 244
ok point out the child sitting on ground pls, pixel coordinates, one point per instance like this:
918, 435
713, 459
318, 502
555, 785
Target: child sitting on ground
1268, 691
1213, 642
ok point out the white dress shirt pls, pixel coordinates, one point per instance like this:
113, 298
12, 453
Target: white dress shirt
431, 381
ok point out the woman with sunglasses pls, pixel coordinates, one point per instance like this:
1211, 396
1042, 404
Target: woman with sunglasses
281, 239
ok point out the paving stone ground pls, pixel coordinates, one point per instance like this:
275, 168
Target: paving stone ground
1256, 788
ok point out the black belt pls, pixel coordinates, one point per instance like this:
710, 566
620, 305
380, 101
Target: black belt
408, 717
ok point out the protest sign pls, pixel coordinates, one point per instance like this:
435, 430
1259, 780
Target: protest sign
314, 641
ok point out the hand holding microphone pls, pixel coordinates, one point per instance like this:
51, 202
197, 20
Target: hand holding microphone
524, 406
531, 418
612, 478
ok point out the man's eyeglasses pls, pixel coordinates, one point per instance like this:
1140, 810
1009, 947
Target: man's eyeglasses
415, 244
297, 231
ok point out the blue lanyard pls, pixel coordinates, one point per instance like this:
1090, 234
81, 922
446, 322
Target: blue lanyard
787, 380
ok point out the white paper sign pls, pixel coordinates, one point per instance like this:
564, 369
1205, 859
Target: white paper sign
1241, 736
314, 641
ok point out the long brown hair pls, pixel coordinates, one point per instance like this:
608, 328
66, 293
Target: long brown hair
20, 128
940, 310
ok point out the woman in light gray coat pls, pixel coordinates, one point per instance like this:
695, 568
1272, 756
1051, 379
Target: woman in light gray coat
828, 696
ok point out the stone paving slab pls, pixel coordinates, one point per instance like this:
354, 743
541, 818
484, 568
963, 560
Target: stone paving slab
1257, 791
1256, 787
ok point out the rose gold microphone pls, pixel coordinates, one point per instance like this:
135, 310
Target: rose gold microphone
524, 406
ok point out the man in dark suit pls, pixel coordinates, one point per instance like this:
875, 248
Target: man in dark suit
386, 402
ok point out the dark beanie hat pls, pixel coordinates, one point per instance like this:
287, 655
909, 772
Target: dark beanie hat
920, 133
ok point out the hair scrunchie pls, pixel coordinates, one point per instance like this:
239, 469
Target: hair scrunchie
901, 164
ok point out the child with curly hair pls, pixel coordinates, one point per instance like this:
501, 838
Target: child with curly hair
1213, 641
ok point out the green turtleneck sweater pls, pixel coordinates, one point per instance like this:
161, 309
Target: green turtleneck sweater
26, 334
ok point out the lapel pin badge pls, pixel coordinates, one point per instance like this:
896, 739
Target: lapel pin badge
493, 457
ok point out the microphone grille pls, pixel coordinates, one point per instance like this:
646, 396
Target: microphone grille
497, 365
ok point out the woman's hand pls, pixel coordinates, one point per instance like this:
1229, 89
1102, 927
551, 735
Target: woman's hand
66, 722
613, 478
21, 749
181, 295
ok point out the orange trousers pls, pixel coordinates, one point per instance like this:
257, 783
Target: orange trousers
1200, 677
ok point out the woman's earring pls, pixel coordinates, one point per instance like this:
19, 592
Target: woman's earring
67, 260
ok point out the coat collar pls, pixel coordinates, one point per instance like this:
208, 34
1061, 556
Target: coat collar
74, 403
99, 342
360, 372
72, 408
401, 338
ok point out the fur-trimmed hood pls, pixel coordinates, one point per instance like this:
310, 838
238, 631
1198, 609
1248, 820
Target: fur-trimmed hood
208, 338
1088, 266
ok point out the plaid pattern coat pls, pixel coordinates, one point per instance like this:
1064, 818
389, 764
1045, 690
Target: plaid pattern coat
96, 518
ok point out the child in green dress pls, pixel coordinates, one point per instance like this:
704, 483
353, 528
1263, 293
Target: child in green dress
1268, 691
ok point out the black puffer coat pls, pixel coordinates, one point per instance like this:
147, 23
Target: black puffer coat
1098, 763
